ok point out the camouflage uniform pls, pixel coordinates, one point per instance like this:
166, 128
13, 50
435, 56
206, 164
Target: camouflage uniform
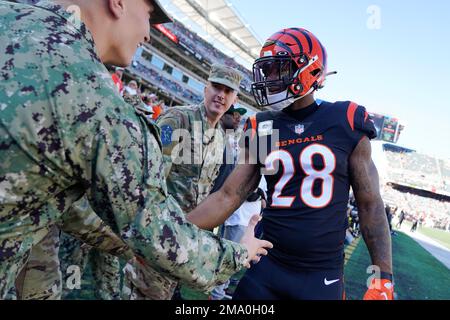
189, 180
134, 100
65, 132
40, 279
103, 247
190, 183
105, 266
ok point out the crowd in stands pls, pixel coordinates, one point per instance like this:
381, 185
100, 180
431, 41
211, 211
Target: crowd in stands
131, 91
413, 191
445, 172
169, 85
204, 52
415, 169
428, 211
208, 52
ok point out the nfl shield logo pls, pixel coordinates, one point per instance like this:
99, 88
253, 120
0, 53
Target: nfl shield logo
299, 129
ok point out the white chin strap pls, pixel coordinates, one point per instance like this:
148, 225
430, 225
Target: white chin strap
277, 101
281, 104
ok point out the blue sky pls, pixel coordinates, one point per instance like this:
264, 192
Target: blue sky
401, 69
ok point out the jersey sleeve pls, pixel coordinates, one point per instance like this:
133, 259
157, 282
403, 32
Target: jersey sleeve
360, 122
249, 140
250, 128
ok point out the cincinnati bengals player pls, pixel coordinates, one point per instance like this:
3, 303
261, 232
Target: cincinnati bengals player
321, 150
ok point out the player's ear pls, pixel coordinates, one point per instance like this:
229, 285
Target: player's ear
116, 8
236, 99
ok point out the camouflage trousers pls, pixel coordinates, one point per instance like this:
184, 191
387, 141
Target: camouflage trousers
20, 276
40, 278
9, 271
142, 282
75, 255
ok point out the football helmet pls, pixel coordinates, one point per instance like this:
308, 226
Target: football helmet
292, 64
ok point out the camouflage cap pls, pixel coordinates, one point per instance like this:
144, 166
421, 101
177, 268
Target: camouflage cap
159, 15
225, 75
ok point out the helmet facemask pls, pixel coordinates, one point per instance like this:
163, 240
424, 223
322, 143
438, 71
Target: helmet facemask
283, 79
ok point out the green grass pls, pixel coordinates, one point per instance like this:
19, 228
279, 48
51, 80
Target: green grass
418, 275
440, 236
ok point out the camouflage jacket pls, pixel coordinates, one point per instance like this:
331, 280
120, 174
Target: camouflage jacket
190, 173
83, 223
65, 132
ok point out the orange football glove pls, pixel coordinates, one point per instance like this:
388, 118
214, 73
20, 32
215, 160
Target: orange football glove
380, 289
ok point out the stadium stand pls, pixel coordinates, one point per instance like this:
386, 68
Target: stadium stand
416, 170
444, 167
418, 184
177, 70
205, 51
430, 209
165, 83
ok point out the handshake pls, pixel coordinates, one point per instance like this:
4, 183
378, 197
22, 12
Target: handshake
254, 246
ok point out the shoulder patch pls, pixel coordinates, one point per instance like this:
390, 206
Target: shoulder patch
166, 135
265, 128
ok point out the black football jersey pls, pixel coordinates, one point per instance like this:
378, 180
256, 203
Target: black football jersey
304, 157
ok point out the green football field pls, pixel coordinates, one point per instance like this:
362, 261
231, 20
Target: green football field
418, 275
440, 236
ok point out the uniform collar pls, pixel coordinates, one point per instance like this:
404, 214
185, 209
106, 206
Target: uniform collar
204, 117
73, 21
302, 114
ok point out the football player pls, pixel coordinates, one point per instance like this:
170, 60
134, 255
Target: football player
311, 154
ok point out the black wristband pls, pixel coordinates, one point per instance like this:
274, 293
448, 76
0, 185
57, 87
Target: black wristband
386, 276
253, 197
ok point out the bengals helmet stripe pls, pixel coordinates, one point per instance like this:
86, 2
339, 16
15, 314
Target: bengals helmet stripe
312, 43
306, 35
293, 37
284, 46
